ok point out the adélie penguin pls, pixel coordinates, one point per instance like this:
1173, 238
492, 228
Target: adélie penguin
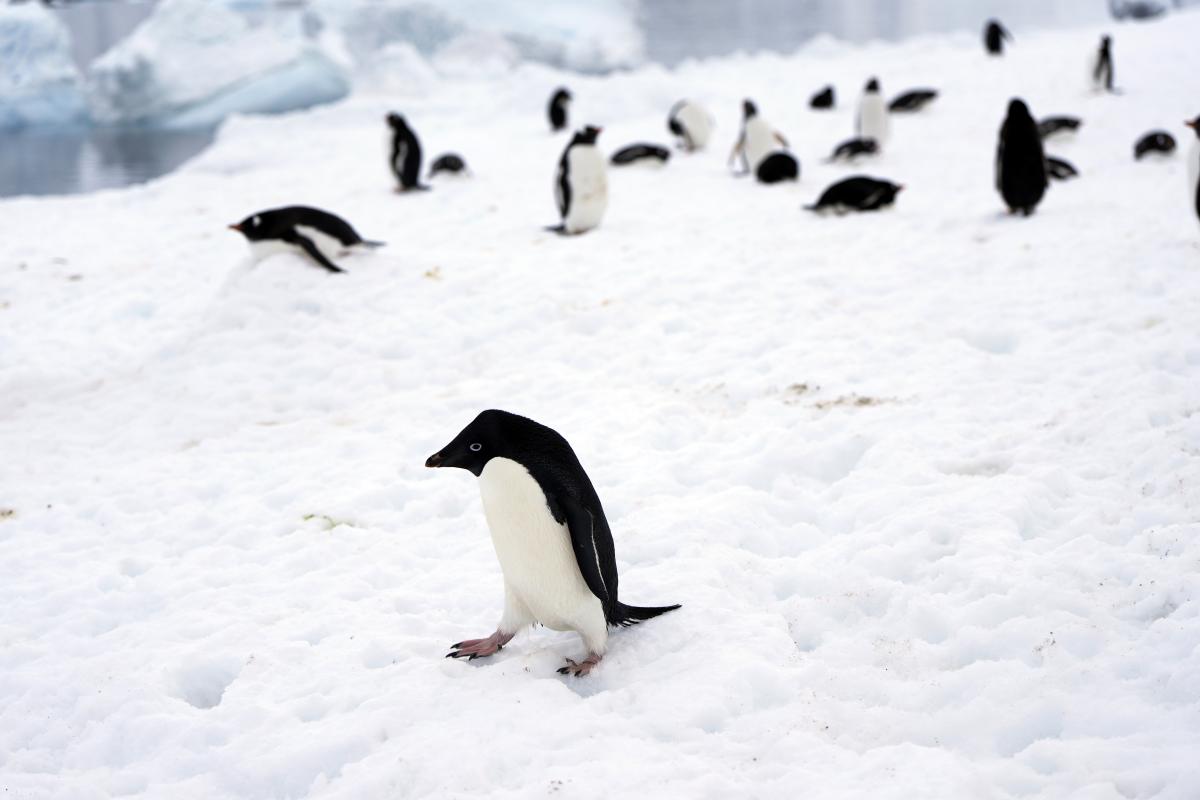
1159, 142
405, 154
872, 122
581, 185
1194, 168
756, 142
550, 534
1020, 160
994, 36
317, 233
560, 101
1102, 66
691, 123
858, 193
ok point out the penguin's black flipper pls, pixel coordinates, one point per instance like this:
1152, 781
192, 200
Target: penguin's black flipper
302, 241
594, 552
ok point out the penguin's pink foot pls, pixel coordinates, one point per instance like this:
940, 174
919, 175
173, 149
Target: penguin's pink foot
580, 668
472, 649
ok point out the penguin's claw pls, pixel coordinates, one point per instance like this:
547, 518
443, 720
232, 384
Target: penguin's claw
580, 668
472, 649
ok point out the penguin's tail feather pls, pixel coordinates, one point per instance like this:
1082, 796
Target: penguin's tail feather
632, 615
373, 243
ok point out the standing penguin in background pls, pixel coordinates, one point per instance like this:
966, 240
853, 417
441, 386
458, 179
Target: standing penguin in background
405, 155
691, 123
581, 185
1194, 168
994, 36
873, 115
1102, 66
557, 110
550, 534
1020, 160
756, 141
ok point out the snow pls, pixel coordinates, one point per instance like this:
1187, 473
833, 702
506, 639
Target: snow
193, 63
39, 84
925, 481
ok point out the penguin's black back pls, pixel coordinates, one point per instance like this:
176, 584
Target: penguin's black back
994, 36
447, 162
1154, 142
913, 100
855, 147
1052, 125
858, 192
640, 152
823, 99
557, 110
1020, 160
776, 167
275, 222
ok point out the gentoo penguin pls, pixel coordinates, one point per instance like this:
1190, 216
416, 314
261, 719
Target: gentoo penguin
647, 153
757, 140
581, 186
450, 163
858, 193
913, 100
318, 233
1051, 126
1060, 169
778, 166
1102, 66
823, 99
406, 154
873, 115
994, 36
851, 149
557, 110
1194, 167
1154, 142
549, 532
1020, 160
691, 123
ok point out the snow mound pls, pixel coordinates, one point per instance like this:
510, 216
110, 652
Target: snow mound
38, 82
194, 63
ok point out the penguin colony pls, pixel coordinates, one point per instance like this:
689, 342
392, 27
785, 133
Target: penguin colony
549, 531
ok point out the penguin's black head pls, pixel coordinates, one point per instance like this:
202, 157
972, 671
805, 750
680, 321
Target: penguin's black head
586, 136
397, 121
561, 96
1018, 110
1194, 124
493, 433
1105, 42
749, 109
873, 85
251, 227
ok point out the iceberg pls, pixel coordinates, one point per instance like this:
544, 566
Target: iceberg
39, 84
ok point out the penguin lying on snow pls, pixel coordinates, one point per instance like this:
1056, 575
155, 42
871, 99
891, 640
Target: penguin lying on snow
1193, 184
994, 36
859, 193
405, 155
823, 99
851, 149
1052, 126
318, 233
778, 166
581, 186
872, 121
913, 100
1154, 142
557, 110
1020, 160
691, 123
635, 153
1060, 169
550, 534
450, 163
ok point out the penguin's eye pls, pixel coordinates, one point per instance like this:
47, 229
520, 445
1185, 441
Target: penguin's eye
476, 447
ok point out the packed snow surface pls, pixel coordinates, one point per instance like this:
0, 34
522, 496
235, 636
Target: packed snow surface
925, 481
39, 84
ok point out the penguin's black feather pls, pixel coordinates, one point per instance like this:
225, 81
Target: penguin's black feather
1020, 160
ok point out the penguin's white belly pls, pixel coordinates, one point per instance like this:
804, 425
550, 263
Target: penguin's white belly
697, 123
589, 189
328, 245
873, 118
535, 552
760, 141
1193, 184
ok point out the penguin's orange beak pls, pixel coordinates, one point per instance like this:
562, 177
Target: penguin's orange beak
237, 226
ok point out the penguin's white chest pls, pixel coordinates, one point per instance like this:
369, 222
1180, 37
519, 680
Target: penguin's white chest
534, 549
1193, 184
760, 141
588, 179
329, 246
696, 122
873, 118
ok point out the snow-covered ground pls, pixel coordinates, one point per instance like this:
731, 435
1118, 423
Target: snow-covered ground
927, 482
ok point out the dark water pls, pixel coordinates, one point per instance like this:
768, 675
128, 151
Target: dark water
47, 161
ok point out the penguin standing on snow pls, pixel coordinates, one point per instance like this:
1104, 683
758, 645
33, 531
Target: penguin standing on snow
1020, 160
557, 110
581, 186
1194, 168
756, 141
405, 155
317, 233
691, 123
873, 115
994, 36
550, 535
1102, 66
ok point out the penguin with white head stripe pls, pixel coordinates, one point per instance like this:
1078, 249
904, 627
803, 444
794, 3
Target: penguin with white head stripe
549, 532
